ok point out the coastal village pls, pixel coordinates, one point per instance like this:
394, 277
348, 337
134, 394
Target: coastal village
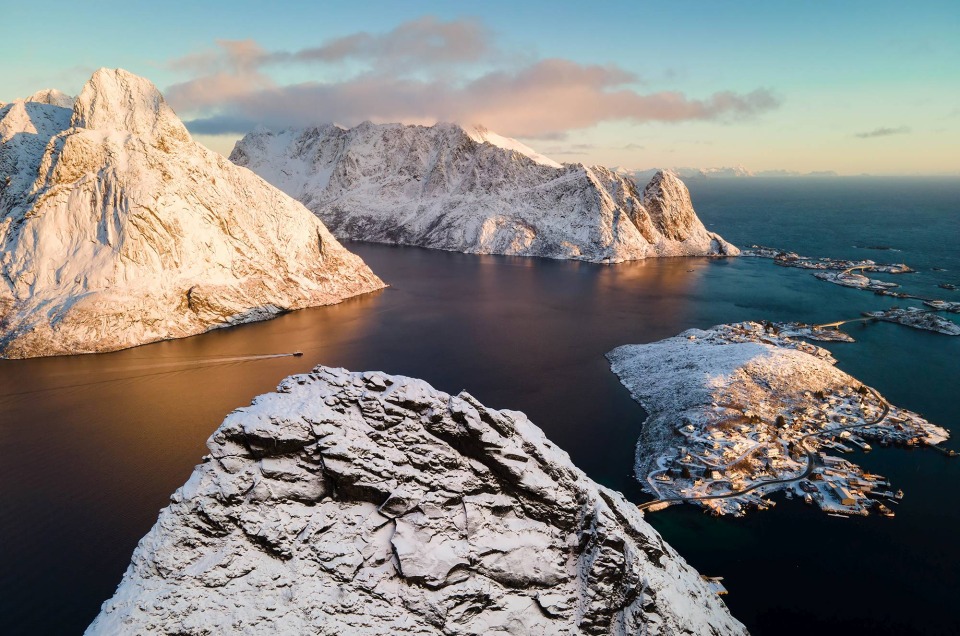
728, 457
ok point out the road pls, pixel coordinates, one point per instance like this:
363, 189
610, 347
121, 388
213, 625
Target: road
811, 456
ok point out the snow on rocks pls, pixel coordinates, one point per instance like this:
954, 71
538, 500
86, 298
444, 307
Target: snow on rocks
740, 411
363, 503
471, 190
919, 318
116, 229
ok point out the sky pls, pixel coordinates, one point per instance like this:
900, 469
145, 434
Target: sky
853, 87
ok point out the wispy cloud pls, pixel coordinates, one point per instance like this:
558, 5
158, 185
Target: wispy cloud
573, 149
413, 44
429, 70
882, 132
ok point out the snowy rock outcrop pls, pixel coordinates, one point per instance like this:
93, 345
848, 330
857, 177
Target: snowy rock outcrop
471, 190
362, 503
53, 97
116, 229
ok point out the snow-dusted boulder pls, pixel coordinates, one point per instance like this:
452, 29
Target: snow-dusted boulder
471, 190
361, 503
116, 229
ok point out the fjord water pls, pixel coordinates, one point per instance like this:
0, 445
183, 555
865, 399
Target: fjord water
92, 446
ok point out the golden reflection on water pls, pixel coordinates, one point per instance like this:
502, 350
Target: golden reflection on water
120, 421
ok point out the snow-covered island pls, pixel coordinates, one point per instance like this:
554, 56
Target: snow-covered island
792, 259
847, 278
116, 229
806, 331
363, 503
740, 411
918, 318
468, 189
832, 270
943, 305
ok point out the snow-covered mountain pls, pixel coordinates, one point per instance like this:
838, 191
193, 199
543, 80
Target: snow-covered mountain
471, 190
116, 229
735, 172
53, 97
368, 504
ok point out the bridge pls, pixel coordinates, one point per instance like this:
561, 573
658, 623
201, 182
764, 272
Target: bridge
843, 322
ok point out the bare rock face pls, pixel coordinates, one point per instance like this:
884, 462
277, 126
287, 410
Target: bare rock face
116, 229
351, 503
667, 200
471, 190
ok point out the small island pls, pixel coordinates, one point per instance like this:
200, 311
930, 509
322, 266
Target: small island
917, 318
741, 411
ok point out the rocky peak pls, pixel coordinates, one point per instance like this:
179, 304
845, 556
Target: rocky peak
117, 230
667, 200
363, 503
51, 96
481, 134
114, 99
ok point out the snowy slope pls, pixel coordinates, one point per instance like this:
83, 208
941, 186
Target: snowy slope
116, 229
471, 190
363, 504
481, 134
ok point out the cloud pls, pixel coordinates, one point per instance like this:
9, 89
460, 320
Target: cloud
882, 132
422, 41
573, 149
633, 146
413, 45
428, 70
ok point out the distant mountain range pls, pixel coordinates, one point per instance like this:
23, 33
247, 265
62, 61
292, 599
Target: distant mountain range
735, 172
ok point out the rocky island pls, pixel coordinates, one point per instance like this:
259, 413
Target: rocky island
740, 411
832, 270
363, 503
918, 318
117, 229
467, 189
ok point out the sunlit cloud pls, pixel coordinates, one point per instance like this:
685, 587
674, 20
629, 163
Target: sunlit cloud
406, 75
882, 132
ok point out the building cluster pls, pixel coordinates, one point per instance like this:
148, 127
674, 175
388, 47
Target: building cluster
728, 459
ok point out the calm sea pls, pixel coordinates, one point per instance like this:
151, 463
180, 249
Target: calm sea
92, 446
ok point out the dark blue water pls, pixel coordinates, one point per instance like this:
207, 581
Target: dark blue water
92, 446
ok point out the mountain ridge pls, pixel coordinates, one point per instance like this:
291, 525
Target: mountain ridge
439, 187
